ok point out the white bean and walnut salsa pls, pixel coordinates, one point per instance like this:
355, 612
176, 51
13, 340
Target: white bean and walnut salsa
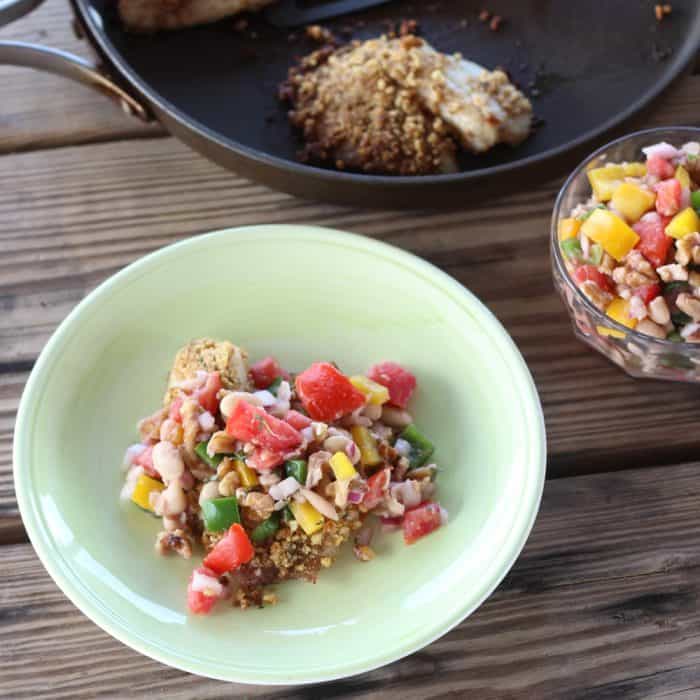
634, 247
273, 473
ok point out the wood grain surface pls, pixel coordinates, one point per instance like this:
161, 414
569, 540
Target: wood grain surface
602, 604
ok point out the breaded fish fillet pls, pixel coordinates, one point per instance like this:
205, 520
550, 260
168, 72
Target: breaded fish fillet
211, 356
152, 15
397, 106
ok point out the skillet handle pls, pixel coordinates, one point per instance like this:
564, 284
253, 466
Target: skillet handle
18, 53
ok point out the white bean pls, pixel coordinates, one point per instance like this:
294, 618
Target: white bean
209, 490
228, 403
372, 411
395, 417
173, 500
167, 461
336, 443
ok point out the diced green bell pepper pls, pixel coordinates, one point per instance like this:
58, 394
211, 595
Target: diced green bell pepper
583, 217
201, 450
266, 529
421, 448
220, 513
275, 386
571, 248
695, 200
596, 254
287, 514
675, 336
297, 469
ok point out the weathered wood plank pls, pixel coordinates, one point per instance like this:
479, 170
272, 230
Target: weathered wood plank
602, 603
39, 110
11, 385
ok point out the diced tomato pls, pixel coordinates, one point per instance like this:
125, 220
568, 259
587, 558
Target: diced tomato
198, 601
174, 413
378, 484
297, 420
253, 424
232, 550
421, 521
648, 292
653, 244
668, 197
207, 394
590, 273
265, 371
263, 460
145, 460
400, 382
327, 393
660, 167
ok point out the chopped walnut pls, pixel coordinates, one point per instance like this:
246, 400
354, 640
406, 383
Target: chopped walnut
688, 249
672, 273
636, 272
607, 264
261, 504
176, 541
229, 484
599, 298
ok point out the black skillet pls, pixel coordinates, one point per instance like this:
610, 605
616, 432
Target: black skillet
587, 66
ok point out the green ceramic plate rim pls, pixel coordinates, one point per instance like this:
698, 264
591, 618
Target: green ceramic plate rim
80, 595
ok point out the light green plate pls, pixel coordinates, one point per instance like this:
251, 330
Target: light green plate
302, 294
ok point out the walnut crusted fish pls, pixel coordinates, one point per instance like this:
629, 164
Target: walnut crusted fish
397, 106
152, 15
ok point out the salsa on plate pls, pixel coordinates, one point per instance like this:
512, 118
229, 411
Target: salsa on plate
273, 473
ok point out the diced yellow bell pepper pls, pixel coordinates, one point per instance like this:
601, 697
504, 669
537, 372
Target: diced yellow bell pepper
247, 475
618, 310
683, 223
608, 229
375, 392
632, 201
568, 228
369, 456
342, 466
604, 180
145, 486
682, 176
307, 516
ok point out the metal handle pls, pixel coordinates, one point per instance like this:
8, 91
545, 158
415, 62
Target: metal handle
18, 53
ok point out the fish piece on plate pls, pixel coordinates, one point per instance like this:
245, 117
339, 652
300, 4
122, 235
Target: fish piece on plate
207, 355
398, 106
152, 15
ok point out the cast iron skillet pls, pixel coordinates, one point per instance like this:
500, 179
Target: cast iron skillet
588, 66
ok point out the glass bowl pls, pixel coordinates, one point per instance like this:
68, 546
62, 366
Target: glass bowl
637, 354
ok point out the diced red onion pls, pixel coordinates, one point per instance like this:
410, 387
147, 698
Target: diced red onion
585, 245
443, 516
132, 476
637, 308
132, 452
267, 398
692, 148
685, 198
307, 433
407, 492
353, 452
283, 490
268, 479
319, 503
206, 584
662, 150
284, 392
403, 447
355, 496
207, 422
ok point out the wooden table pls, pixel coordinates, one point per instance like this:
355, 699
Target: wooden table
603, 602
